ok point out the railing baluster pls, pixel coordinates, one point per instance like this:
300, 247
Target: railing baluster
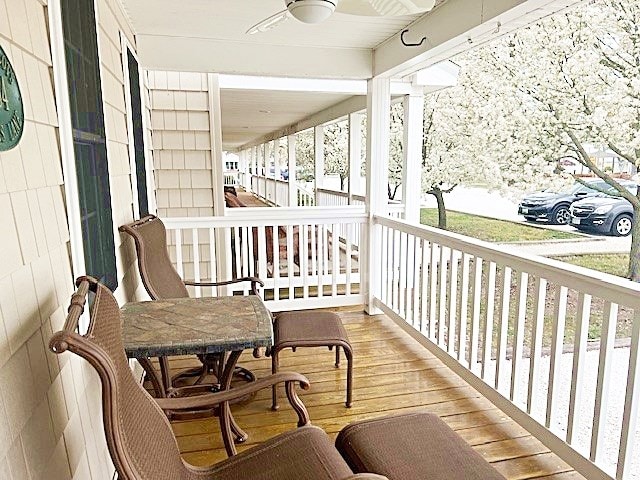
475, 315
442, 297
321, 258
557, 344
314, 249
518, 336
389, 276
275, 251
196, 260
304, 259
610, 316
252, 250
424, 282
453, 301
335, 257
536, 340
417, 258
290, 263
236, 244
402, 281
347, 253
212, 256
488, 325
179, 264
501, 354
577, 376
262, 253
464, 307
395, 267
433, 288
631, 414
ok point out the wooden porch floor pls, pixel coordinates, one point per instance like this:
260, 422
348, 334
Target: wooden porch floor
392, 374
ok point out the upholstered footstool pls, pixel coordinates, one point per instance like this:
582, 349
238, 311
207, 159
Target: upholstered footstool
415, 446
310, 329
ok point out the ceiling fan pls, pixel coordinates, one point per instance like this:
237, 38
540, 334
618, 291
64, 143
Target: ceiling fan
316, 11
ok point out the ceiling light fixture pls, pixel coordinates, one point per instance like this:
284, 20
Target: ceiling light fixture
311, 11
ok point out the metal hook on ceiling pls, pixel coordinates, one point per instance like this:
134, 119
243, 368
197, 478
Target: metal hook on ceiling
409, 44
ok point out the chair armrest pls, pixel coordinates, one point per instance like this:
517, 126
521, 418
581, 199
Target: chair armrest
254, 281
366, 476
210, 400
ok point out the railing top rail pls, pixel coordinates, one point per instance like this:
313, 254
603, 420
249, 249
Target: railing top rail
616, 289
337, 193
258, 216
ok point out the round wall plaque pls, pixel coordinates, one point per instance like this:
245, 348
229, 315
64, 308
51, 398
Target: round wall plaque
11, 109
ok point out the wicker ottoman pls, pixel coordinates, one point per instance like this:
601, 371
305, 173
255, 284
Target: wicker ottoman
310, 329
415, 446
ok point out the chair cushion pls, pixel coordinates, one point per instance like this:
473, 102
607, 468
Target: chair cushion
308, 329
414, 446
306, 453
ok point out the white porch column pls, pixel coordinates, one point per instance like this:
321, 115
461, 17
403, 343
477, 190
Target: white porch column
378, 125
276, 170
265, 168
247, 169
318, 152
223, 247
412, 169
355, 153
291, 157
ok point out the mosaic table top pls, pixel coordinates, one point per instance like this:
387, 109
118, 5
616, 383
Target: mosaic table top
186, 326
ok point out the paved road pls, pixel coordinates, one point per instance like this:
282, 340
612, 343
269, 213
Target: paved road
479, 201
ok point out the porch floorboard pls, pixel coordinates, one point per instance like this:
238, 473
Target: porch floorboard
392, 374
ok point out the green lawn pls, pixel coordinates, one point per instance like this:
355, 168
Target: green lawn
613, 263
491, 230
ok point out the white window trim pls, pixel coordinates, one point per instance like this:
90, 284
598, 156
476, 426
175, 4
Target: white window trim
125, 48
67, 151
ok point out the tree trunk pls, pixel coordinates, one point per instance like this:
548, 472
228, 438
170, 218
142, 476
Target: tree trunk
442, 211
634, 254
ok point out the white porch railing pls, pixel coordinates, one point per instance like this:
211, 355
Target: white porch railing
277, 191
310, 265
537, 337
334, 198
231, 178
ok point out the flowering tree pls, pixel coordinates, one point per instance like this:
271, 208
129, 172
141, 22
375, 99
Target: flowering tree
336, 151
569, 81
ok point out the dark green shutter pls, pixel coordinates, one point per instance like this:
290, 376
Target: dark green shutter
90, 146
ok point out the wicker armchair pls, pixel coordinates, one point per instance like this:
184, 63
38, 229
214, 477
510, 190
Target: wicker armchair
138, 434
162, 281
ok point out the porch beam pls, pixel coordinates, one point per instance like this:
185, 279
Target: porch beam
412, 155
318, 164
455, 27
378, 126
185, 54
355, 153
311, 85
291, 157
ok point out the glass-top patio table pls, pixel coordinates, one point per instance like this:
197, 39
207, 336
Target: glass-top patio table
208, 327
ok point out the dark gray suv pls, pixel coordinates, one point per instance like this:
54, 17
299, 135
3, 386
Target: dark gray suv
604, 213
553, 207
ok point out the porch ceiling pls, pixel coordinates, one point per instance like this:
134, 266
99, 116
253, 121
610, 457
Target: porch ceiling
250, 114
209, 35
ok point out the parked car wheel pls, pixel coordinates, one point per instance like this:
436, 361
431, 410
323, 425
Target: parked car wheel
622, 226
561, 215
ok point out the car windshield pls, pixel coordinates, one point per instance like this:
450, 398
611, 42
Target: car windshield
629, 186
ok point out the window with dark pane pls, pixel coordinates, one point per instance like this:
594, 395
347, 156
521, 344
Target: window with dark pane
90, 146
138, 134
